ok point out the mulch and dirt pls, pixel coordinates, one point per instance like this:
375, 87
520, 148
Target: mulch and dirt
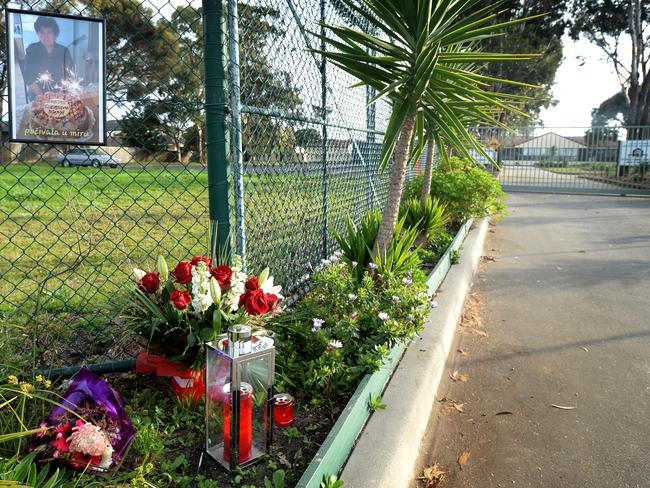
292, 449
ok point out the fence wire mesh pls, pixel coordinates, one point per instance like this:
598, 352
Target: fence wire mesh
310, 145
70, 235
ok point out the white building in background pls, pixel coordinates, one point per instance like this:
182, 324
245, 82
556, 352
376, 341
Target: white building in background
551, 146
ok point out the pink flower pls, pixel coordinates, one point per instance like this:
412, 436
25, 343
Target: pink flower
88, 439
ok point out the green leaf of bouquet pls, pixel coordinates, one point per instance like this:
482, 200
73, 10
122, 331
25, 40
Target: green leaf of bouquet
206, 334
216, 320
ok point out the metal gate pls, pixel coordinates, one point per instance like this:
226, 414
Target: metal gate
597, 160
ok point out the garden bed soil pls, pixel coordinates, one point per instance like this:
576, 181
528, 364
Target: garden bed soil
183, 457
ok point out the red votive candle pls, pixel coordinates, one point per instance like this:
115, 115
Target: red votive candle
283, 409
245, 422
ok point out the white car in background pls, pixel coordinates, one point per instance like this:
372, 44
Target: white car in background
88, 157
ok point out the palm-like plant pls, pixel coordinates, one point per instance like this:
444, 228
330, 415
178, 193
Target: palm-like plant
419, 47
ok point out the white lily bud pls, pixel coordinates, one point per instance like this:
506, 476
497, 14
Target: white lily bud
162, 268
215, 290
139, 274
264, 275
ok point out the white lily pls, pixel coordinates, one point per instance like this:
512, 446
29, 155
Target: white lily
215, 290
269, 287
264, 275
139, 274
162, 268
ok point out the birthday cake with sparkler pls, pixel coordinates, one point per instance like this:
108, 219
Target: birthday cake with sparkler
59, 111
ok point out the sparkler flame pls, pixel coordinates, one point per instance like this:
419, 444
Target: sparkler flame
45, 77
73, 86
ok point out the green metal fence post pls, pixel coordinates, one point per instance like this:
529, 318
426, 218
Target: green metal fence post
216, 121
323, 75
235, 107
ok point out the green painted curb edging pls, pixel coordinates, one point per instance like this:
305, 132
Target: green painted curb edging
338, 444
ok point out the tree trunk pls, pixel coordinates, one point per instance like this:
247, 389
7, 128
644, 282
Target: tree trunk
396, 185
428, 173
201, 152
635, 95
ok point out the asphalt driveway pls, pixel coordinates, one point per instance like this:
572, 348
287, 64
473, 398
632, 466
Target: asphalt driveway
555, 352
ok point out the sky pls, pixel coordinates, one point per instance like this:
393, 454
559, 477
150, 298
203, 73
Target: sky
583, 80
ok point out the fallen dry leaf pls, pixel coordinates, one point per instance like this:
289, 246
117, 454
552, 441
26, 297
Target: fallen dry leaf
458, 407
456, 376
463, 352
283, 460
462, 459
563, 407
488, 258
479, 333
432, 475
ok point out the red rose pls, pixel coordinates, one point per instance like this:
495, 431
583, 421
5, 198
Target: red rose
272, 301
223, 275
183, 273
150, 282
252, 283
181, 299
201, 259
255, 302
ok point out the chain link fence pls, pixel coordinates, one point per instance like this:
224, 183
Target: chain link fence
304, 151
306, 146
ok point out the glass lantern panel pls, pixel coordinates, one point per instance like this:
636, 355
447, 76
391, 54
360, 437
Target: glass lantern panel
218, 376
257, 372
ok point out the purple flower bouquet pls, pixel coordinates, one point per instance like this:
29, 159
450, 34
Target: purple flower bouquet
90, 430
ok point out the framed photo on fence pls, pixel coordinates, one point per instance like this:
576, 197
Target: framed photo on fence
57, 91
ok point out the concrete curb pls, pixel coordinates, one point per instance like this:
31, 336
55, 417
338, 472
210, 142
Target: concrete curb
387, 449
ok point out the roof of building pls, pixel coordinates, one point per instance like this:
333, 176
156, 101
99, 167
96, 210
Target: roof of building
551, 139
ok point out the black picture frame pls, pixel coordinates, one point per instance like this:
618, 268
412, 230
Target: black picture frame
96, 137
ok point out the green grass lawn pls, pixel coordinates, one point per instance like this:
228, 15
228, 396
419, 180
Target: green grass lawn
117, 219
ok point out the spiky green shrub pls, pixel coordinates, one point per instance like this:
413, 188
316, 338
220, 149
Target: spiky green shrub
357, 241
428, 220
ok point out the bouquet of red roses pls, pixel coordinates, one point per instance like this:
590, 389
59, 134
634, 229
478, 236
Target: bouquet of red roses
177, 312
90, 430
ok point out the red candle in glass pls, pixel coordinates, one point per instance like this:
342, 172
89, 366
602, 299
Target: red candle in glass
283, 409
245, 422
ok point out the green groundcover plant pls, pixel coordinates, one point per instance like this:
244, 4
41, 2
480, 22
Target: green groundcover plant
342, 330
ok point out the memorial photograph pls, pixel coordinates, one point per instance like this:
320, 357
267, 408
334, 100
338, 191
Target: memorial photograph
56, 78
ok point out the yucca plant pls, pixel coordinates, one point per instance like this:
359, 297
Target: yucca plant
428, 220
399, 256
356, 243
414, 61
